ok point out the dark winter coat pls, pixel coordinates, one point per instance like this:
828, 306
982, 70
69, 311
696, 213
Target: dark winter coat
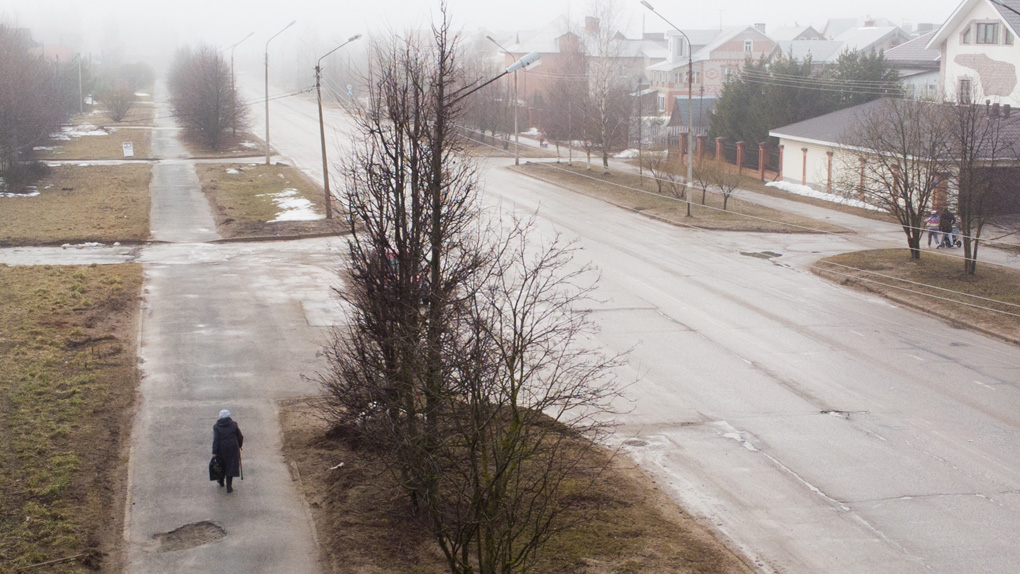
226, 445
946, 221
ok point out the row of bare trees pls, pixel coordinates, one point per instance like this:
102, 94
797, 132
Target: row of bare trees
202, 96
466, 365
35, 97
902, 152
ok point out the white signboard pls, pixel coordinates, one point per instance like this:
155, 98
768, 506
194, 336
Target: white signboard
129, 149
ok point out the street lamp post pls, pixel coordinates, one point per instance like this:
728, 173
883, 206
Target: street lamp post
322, 128
517, 131
233, 88
267, 83
690, 105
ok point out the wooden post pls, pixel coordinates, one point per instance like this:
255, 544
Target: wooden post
761, 161
828, 175
781, 163
741, 148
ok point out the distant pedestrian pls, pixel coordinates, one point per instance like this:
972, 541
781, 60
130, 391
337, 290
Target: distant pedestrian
946, 221
226, 447
932, 226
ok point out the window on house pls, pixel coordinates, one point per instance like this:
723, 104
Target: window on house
748, 45
1007, 37
987, 32
964, 97
661, 99
966, 36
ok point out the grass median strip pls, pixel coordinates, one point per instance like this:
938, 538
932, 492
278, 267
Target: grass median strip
631, 191
67, 381
255, 200
625, 524
77, 204
988, 301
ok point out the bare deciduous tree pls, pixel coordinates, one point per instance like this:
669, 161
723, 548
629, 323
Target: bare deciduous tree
896, 157
465, 366
726, 180
983, 150
118, 102
202, 97
31, 105
704, 174
610, 101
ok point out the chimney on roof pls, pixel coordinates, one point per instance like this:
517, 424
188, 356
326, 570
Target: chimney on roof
995, 110
869, 23
1005, 110
760, 26
591, 24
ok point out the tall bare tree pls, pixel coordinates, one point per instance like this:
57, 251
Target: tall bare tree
202, 96
896, 158
610, 102
464, 366
31, 104
983, 149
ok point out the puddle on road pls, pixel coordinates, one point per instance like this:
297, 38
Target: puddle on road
761, 254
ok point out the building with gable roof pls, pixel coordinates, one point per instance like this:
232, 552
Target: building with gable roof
979, 52
716, 56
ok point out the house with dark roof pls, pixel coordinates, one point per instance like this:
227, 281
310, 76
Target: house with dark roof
717, 55
918, 67
816, 152
980, 56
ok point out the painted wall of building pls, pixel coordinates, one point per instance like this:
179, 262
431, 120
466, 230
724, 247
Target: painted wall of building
990, 69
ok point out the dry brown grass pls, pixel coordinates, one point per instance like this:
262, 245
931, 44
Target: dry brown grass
90, 147
631, 191
141, 113
79, 204
936, 284
245, 144
244, 204
67, 382
626, 525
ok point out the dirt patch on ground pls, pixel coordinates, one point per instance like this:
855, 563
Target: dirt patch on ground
988, 301
255, 200
631, 191
78, 204
68, 377
189, 536
628, 525
243, 145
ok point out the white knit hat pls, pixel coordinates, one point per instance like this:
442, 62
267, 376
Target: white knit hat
224, 414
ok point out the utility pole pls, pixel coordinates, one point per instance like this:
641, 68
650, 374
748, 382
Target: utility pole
322, 126
292, 22
233, 87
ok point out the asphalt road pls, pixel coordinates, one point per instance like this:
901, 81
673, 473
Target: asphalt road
818, 429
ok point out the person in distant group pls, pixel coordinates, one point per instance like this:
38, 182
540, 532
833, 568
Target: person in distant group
226, 447
946, 221
933, 228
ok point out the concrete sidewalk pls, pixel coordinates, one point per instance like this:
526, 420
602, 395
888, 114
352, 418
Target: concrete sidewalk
223, 326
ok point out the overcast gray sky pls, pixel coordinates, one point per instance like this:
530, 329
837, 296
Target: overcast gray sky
223, 22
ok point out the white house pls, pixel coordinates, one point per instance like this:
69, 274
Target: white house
979, 52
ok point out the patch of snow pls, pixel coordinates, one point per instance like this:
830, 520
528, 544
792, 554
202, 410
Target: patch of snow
627, 154
142, 94
531, 132
29, 194
81, 130
292, 207
43, 148
81, 245
249, 145
807, 191
233, 171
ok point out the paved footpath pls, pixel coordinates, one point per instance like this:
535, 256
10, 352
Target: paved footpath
230, 326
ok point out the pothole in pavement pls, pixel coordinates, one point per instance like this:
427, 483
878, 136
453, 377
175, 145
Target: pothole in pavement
761, 254
189, 536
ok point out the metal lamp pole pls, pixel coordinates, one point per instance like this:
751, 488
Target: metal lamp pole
690, 105
233, 88
517, 131
267, 83
322, 128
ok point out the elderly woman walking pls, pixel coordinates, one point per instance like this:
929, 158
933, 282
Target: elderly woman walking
226, 447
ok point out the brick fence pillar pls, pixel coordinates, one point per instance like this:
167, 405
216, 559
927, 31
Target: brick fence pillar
719, 155
741, 149
828, 175
803, 170
701, 145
